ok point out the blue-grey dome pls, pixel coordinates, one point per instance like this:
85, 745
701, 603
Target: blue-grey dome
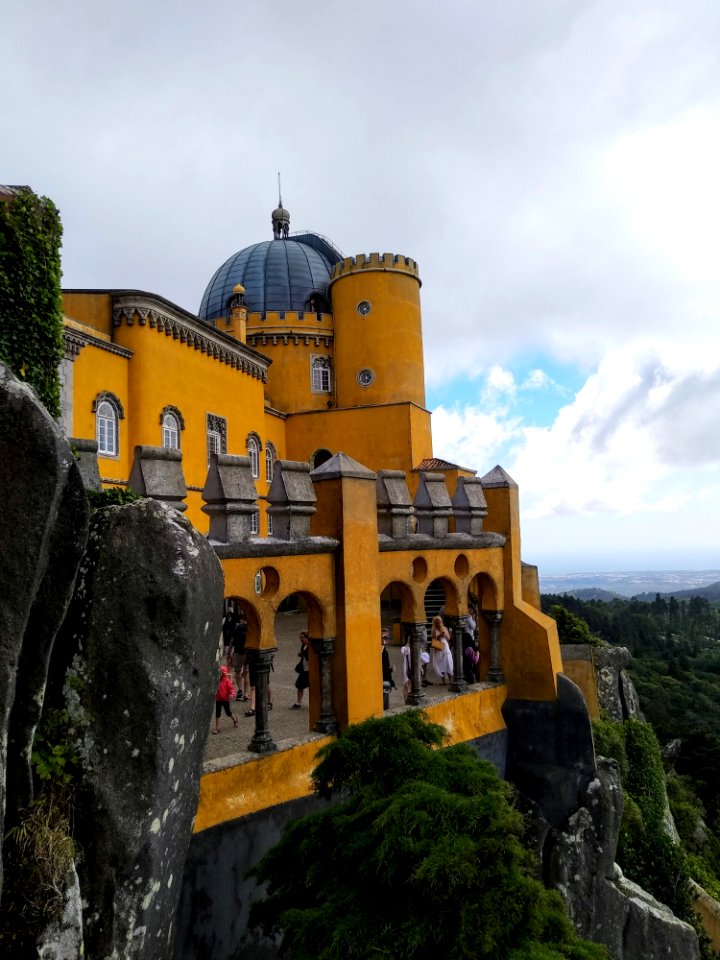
277, 275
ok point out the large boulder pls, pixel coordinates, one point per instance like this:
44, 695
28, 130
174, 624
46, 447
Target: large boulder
616, 692
579, 861
550, 756
43, 528
145, 620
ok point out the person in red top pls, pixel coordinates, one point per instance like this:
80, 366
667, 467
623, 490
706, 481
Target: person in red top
224, 694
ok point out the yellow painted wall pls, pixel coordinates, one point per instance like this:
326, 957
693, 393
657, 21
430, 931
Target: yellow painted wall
92, 309
582, 673
346, 509
289, 385
394, 437
165, 371
530, 648
95, 371
388, 340
237, 791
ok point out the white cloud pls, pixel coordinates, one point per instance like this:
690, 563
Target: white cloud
639, 438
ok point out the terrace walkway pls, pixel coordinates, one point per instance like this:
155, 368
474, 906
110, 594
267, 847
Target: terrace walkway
289, 727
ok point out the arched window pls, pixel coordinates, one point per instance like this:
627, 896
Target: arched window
319, 457
171, 422
321, 374
107, 430
170, 432
108, 413
253, 449
270, 457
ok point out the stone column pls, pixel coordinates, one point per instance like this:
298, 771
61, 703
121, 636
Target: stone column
493, 618
260, 661
324, 647
458, 684
417, 634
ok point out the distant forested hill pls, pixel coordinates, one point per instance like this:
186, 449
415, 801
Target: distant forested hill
675, 643
711, 592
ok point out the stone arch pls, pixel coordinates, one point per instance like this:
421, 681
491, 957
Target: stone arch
485, 589
320, 456
251, 615
316, 619
408, 603
450, 593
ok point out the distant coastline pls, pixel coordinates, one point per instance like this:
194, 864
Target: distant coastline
629, 583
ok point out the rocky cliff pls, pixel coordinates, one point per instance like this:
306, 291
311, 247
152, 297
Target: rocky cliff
112, 624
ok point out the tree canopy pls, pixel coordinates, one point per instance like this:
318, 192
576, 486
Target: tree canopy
418, 856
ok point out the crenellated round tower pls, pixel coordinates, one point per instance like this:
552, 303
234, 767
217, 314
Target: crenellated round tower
378, 330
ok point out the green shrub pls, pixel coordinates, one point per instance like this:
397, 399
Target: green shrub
30, 299
111, 497
421, 857
572, 629
609, 742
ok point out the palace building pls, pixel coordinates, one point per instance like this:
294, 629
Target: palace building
296, 353
288, 418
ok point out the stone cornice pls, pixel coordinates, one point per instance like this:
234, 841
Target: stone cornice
74, 340
308, 339
146, 310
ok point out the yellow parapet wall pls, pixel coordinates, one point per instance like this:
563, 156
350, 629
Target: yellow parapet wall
257, 783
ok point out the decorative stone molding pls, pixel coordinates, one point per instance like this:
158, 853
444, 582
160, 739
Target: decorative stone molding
85, 452
112, 400
157, 472
469, 506
163, 317
286, 339
433, 507
230, 498
394, 504
292, 500
75, 340
175, 412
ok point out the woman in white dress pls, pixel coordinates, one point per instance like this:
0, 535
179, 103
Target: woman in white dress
442, 661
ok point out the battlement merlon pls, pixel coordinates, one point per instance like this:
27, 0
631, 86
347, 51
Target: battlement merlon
386, 262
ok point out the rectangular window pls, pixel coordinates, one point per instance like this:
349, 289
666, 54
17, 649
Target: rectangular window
321, 368
255, 522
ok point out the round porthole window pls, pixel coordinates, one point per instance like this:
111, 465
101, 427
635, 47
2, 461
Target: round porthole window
364, 308
365, 377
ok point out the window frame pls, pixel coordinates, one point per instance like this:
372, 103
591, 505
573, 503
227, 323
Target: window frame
321, 373
103, 402
253, 444
270, 458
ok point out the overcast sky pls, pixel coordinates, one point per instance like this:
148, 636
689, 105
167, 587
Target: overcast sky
553, 167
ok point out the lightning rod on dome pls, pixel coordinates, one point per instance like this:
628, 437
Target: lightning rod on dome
280, 217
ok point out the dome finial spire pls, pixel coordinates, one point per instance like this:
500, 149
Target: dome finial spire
280, 218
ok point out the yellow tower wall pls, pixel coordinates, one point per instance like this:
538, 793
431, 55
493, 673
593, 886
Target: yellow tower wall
388, 340
90, 309
98, 371
291, 350
370, 435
